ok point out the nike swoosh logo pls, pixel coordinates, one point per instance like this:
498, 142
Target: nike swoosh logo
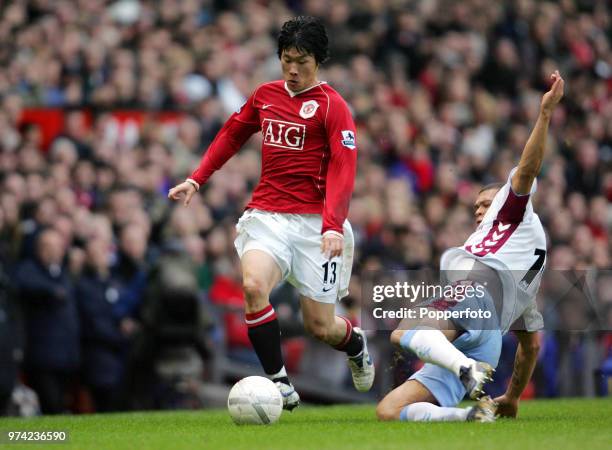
266, 106
327, 290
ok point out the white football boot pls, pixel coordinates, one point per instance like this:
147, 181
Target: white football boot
484, 411
291, 399
362, 367
475, 377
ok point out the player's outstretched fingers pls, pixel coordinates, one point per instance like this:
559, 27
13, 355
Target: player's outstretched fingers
553, 96
185, 188
173, 193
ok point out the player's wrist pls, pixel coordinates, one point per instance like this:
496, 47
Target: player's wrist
333, 233
512, 397
193, 183
546, 112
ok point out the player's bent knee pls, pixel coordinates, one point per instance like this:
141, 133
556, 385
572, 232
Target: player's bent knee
255, 290
385, 413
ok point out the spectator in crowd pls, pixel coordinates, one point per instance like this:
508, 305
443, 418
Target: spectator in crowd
102, 340
130, 274
52, 326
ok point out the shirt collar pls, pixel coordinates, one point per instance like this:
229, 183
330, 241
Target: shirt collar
293, 94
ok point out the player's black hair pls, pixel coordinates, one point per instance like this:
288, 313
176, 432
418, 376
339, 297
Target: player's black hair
307, 35
496, 186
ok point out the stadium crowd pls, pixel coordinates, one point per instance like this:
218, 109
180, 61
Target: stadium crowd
99, 268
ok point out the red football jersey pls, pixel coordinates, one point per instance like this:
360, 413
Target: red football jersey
309, 153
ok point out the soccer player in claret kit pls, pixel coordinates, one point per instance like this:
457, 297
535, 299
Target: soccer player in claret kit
295, 225
506, 253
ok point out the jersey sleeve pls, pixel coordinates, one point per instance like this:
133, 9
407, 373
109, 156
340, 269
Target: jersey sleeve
230, 138
341, 138
530, 320
507, 206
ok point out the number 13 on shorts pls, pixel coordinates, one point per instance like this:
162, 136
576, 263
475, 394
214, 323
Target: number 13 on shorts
331, 270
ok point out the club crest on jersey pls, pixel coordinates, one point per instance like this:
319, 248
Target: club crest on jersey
348, 139
308, 109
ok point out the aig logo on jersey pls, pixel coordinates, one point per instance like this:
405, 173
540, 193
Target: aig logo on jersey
308, 109
348, 139
279, 133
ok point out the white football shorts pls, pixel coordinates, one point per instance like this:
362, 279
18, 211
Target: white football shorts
294, 241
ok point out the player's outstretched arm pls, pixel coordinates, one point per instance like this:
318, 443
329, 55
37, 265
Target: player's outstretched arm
533, 153
524, 364
230, 138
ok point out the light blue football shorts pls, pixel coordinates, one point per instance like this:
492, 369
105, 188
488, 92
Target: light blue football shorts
480, 345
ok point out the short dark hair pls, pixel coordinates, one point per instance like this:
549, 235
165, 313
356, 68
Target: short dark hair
307, 35
488, 187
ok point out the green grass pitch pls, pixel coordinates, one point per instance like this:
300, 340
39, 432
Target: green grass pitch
543, 424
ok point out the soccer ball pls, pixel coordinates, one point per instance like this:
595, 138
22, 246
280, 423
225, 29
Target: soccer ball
255, 401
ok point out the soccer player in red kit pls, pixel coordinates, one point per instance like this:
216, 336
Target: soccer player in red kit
295, 225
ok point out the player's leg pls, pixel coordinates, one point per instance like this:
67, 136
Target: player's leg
410, 392
265, 258
432, 341
260, 274
321, 282
432, 394
433, 346
412, 402
321, 321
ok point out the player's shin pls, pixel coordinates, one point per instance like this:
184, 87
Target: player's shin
428, 412
432, 346
264, 334
352, 342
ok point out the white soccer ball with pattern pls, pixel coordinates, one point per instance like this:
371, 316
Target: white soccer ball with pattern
256, 401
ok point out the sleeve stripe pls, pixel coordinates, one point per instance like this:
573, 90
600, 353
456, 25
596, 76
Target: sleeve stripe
513, 209
512, 213
497, 236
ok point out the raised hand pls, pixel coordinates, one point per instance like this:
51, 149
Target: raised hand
552, 97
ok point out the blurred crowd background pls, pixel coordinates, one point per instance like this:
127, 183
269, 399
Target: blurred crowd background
115, 298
